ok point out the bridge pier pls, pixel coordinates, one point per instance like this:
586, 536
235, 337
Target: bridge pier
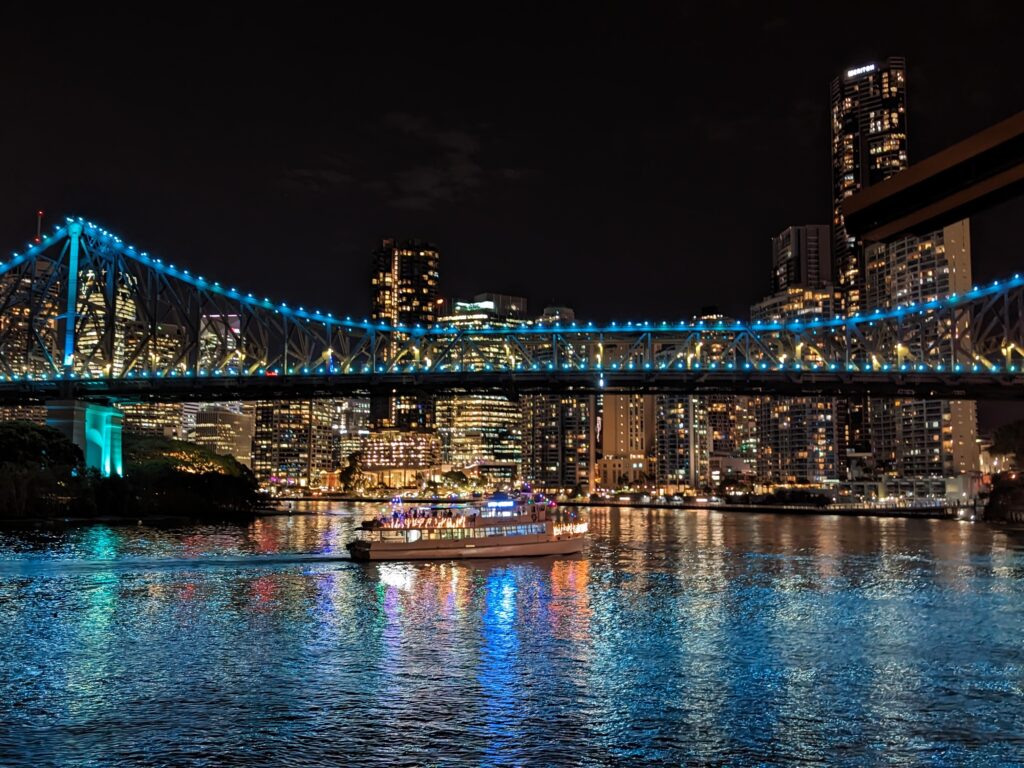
94, 428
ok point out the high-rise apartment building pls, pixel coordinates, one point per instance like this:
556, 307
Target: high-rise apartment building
291, 446
627, 438
799, 439
683, 441
152, 419
922, 438
802, 257
558, 441
404, 289
869, 144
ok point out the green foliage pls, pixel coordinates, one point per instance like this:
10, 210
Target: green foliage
38, 470
28, 444
455, 477
41, 476
171, 477
351, 476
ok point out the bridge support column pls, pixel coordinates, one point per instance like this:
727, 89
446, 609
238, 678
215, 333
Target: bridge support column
96, 429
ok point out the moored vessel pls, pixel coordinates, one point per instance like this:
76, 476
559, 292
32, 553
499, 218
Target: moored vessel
526, 525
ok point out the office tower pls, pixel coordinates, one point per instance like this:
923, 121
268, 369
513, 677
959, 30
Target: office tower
799, 438
802, 256
152, 420
28, 339
404, 293
922, 438
291, 446
350, 428
226, 430
481, 434
869, 144
503, 305
93, 336
627, 437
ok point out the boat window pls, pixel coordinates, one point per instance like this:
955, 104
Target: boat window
412, 535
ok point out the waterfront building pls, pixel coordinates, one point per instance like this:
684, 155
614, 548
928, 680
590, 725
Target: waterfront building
627, 440
404, 288
683, 443
802, 256
560, 449
558, 442
868, 115
291, 446
350, 428
732, 428
922, 438
869, 144
481, 434
799, 439
397, 459
226, 429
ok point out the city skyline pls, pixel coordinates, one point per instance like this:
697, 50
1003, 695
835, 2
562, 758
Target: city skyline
486, 184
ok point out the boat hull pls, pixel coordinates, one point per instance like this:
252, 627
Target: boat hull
378, 551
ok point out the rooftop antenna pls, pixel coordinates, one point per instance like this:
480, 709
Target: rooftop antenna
39, 226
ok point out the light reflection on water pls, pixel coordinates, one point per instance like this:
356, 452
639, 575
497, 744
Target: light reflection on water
678, 637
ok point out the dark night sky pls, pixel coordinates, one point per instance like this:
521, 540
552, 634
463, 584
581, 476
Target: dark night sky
624, 162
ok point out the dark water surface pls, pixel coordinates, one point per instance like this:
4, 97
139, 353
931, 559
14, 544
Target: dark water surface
679, 637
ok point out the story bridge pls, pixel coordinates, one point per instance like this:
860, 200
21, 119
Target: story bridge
87, 320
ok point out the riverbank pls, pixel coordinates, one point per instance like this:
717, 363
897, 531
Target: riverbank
938, 512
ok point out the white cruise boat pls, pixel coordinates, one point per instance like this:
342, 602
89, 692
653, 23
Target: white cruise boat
502, 526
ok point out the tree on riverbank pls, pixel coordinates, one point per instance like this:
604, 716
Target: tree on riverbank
40, 470
42, 475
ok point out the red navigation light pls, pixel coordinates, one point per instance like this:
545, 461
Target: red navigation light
271, 373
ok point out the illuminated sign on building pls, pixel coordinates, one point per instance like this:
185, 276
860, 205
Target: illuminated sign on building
860, 70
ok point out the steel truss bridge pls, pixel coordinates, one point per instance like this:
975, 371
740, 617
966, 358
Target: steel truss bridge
83, 315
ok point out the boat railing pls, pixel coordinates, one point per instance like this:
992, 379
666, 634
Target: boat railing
412, 534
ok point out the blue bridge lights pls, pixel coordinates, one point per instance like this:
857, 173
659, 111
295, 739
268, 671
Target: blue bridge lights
265, 338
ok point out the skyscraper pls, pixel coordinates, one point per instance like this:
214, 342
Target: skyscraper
922, 438
683, 442
226, 429
799, 438
558, 443
869, 144
801, 256
404, 292
291, 445
482, 433
627, 440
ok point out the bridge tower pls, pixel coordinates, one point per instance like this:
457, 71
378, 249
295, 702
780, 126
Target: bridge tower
93, 427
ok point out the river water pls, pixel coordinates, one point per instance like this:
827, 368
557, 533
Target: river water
678, 637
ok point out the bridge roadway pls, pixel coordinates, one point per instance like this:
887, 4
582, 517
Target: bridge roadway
968, 384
